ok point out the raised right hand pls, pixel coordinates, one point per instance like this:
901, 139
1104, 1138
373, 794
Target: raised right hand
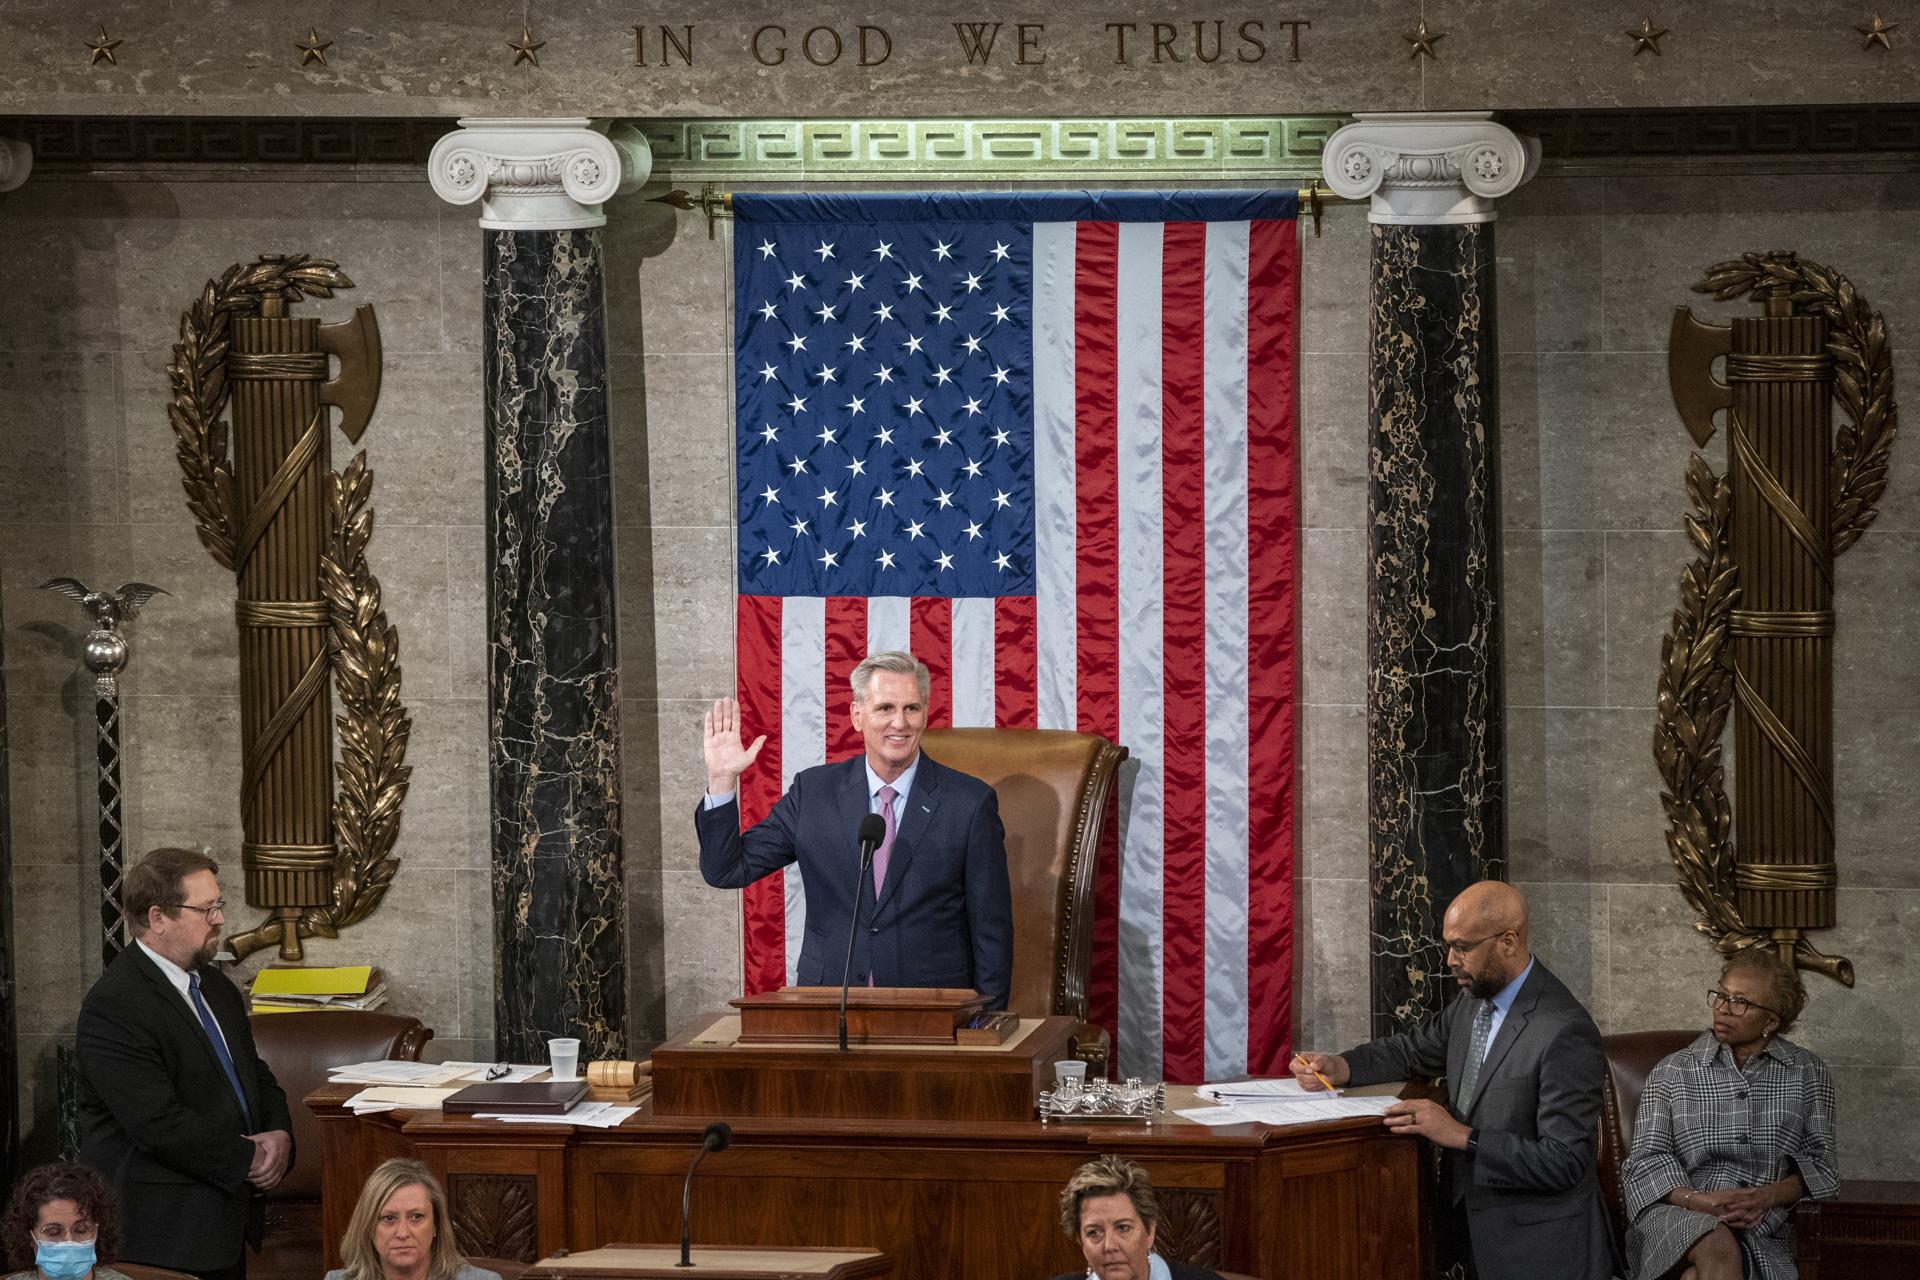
726, 758
1330, 1065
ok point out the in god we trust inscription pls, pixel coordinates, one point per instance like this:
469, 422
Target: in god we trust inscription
1202, 42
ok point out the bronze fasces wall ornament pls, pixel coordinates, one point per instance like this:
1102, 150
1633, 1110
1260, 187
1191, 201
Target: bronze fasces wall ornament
1754, 632
312, 628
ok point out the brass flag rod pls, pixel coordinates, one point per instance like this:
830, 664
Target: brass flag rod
718, 204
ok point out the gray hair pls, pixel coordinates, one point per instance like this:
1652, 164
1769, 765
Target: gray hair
895, 660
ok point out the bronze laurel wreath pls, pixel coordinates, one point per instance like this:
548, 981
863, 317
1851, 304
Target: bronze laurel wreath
1696, 670
371, 774
1695, 695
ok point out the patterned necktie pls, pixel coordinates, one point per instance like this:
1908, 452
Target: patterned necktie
884, 853
1476, 1053
212, 1029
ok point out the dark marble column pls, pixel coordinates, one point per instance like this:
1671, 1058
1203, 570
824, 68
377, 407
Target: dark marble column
1436, 741
560, 966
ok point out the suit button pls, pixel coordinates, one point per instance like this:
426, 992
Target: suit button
1742, 1095
874, 929
1745, 1138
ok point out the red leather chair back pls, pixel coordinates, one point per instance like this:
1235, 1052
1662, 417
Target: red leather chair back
1631, 1057
301, 1047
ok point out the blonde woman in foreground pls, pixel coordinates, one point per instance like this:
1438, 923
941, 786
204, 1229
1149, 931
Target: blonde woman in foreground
400, 1230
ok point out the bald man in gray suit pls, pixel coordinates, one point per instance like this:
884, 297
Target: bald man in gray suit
1524, 1070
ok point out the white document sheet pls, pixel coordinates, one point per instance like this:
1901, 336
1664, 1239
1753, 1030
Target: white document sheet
1284, 1090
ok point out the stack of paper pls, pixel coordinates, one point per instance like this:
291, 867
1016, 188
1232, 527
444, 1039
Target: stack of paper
592, 1115
302, 990
397, 1072
397, 1097
1279, 1102
1286, 1089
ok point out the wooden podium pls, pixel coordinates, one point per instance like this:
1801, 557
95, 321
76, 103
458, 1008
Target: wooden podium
661, 1262
711, 1070
875, 1015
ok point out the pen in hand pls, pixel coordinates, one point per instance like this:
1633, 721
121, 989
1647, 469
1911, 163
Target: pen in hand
1300, 1061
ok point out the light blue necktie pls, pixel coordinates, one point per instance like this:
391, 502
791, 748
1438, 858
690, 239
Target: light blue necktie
212, 1029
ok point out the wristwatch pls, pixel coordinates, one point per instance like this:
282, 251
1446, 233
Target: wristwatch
1473, 1142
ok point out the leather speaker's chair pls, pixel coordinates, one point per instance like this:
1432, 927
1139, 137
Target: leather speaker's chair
1631, 1057
301, 1048
1053, 787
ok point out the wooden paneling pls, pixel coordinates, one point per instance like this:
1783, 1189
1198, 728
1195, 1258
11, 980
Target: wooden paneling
979, 1201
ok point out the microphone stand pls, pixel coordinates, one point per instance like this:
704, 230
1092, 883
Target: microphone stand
716, 1138
872, 831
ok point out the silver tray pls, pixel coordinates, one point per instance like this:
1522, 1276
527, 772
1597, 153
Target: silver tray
1104, 1100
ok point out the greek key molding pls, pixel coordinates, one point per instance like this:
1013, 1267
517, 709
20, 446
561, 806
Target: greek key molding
1253, 148
538, 175
1429, 167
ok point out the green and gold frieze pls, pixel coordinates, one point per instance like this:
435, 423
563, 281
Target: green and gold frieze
1252, 149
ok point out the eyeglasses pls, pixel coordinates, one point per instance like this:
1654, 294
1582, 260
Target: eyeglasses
1736, 1005
55, 1232
1465, 949
211, 910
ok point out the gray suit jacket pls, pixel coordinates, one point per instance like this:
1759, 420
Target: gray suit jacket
1532, 1202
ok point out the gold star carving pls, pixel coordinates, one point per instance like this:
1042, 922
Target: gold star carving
526, 48
313, 49
102, 49
1878, 33
1423, 41
1646, 38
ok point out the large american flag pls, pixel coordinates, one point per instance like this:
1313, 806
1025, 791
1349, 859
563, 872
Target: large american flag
1046, 442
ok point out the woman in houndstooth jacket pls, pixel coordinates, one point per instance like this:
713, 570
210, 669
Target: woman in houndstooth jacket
1732, 1131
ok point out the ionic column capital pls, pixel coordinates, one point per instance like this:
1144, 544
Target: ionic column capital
538, 175
1430, 166
16, 162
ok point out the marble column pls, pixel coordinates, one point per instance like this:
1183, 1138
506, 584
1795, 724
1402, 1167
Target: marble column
560, 966
1436, 746
16, 161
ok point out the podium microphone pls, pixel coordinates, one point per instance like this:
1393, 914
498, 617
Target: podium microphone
873, 829
716, 1138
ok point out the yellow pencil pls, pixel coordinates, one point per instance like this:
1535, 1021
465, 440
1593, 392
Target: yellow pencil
1301, 1059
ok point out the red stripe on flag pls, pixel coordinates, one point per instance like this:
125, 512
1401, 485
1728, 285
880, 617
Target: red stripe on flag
846, 644
1016, 697
1272, 650
931, 630
1097, 562
1184, 627
763, 936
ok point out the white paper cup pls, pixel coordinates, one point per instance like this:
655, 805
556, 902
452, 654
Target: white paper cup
1071, 1074
564, 1056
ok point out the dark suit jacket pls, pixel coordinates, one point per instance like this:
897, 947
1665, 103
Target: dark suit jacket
944, 917
159, 1120
1532, 1202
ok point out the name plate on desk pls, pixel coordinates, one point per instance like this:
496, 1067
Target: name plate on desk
709, 1070
875, 1015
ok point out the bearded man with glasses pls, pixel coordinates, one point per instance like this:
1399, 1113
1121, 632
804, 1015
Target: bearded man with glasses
176, 1107
1524, 1069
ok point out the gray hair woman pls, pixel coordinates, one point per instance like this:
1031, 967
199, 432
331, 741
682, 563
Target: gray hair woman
400, 1230
1732, 1131
1108, 1208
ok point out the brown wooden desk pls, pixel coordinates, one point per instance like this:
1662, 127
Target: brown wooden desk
1868, 1229
1343, 1200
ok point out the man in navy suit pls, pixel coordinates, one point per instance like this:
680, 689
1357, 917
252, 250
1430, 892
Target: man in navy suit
938, 910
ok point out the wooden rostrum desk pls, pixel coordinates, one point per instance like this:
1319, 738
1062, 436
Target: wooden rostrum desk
941, 1196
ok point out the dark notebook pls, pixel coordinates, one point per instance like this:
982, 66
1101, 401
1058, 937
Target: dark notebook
530, 1098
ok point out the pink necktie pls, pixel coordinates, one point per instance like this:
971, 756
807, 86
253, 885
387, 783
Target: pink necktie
885, 851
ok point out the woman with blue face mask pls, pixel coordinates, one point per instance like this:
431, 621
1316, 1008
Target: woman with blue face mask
60, 1220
